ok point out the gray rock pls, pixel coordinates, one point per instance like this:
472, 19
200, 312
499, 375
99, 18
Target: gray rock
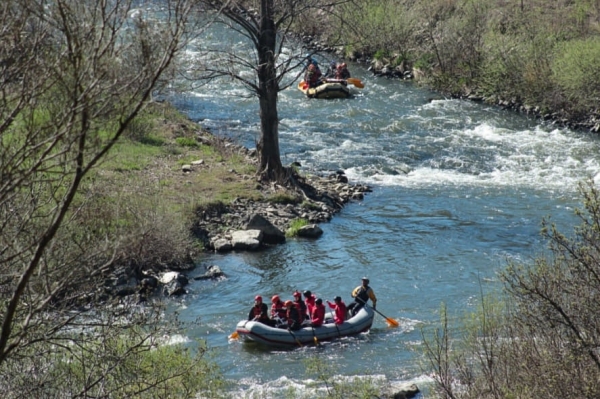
176, 285
222, 245
213, 272
246, 239
270, 233
310, 231
403, 391
167, 277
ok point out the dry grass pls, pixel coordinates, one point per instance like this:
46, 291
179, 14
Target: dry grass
141, 193
141, 166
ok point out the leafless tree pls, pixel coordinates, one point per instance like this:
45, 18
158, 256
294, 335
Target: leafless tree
73, 75
268, 26
540, 336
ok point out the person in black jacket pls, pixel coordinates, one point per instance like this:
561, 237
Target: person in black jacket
361, 295
259, 312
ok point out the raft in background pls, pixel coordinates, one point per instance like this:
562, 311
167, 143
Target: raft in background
331, 88
254, 331
325, 90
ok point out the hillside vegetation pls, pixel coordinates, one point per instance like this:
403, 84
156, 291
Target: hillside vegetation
93, 190
539, 56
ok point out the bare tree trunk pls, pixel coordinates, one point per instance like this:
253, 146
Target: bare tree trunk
266, 25
268, 147
74, 74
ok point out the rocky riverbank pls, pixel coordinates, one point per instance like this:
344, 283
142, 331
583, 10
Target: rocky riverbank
404, 71
589, 123
247, 224
243, 224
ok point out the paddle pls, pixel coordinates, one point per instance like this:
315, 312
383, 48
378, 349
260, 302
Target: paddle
234, 335
302, 85
390, 321
296, 338
314, 335
356, 82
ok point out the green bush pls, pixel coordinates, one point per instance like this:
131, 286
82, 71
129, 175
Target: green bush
576, 70
283, 198
140, 127
131, 365
186, 142
380, 54
424, 62
539, 337
296, 224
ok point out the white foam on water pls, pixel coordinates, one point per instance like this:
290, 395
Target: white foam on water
289, 387
486, 155
434, 145
176, 339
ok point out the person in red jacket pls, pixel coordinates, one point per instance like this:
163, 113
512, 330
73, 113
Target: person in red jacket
339, 308
309, 300
299, 303
294, 319
278, 310
342, 71
259, 312
318, 314
312, 75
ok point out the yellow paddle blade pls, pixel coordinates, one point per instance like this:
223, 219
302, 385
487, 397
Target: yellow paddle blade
356, 82
234, 335
392, 322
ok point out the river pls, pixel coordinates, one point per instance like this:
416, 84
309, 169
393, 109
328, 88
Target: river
458, 188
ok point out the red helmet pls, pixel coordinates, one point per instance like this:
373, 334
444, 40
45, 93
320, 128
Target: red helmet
288, 303
275, 298
258, 298
297, 294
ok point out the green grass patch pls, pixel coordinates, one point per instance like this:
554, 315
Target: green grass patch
129, 155
283, 198
296, 225
310, 206
186, 142
153, 141
147, 178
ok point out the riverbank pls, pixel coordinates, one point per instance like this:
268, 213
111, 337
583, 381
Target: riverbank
202, 195
389, 69
539, 61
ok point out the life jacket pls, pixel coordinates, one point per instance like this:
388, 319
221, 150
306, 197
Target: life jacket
338, 72
278, 310
339, 311
363, 295
260, 311
293, 318
301, 306
312, 76
256, 311
341, 72
318, 315
310, 305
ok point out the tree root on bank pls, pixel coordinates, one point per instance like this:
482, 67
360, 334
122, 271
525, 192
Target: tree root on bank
289, 180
